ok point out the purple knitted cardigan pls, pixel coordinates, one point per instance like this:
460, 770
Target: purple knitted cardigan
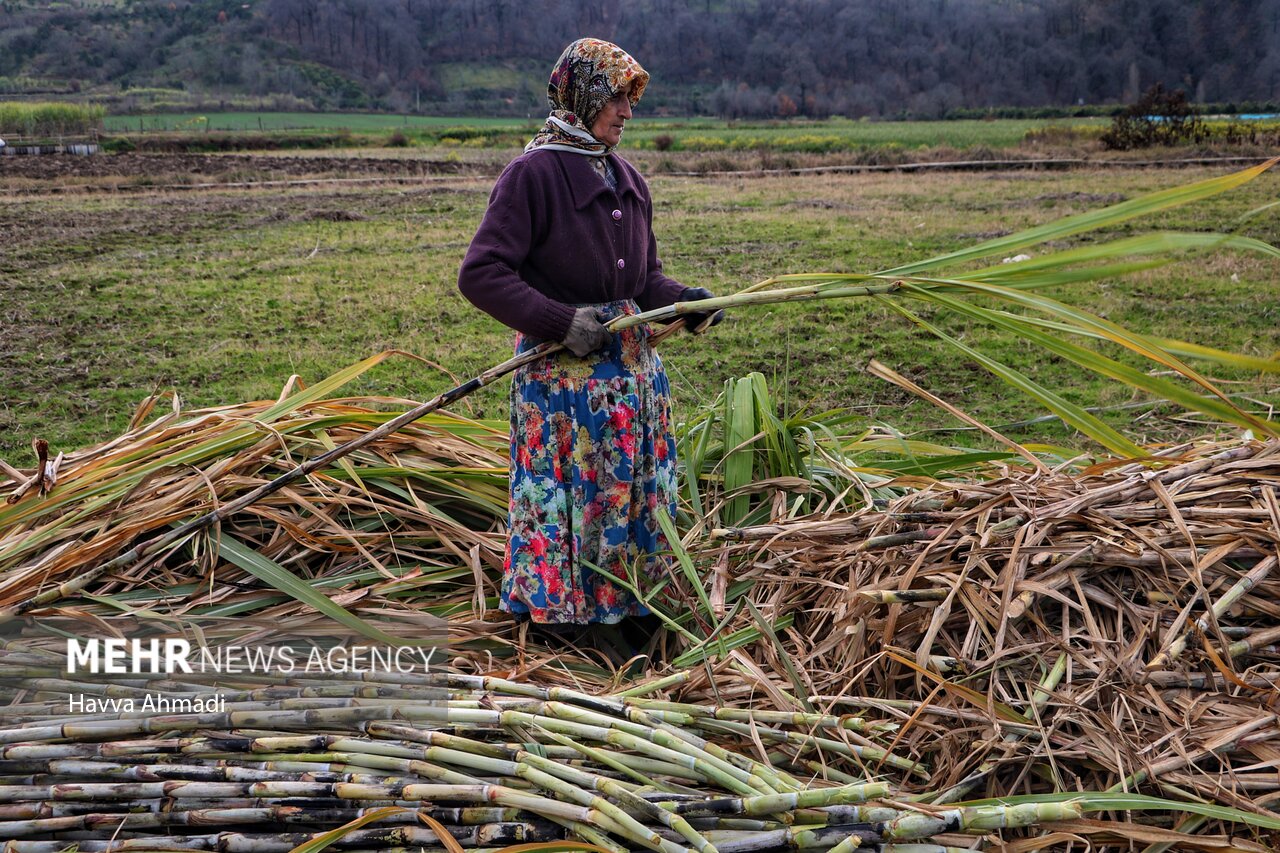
555, 235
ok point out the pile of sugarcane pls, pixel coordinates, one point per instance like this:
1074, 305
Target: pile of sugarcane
416, 515
485, 761
1112, 629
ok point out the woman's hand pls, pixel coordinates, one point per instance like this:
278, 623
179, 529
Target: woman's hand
700, 321
586, 333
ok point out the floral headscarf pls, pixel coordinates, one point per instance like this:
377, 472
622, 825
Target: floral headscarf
585, 78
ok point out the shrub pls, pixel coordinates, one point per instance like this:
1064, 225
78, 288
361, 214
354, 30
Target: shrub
1159, 117
663, 141
118, 145
397, 139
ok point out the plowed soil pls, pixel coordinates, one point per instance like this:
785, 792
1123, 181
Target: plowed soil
178, 169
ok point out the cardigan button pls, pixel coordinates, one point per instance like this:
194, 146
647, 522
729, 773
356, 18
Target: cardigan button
617, 215
621, 263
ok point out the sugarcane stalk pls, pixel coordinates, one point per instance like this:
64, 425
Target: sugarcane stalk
847, 814
675, 679
487, 684
659, 743
613, 761
744, 724
434, 737
789, 838
1039, 699
768, 779
807, 741
444, 755
403, 766
626, 797
833, 289
1256, 642
45, 808
1204, 623
609, 815
699, 765
383, 837
915, 825
751, 715
288, 815
626, 763
821, 770
770, 804
904, 596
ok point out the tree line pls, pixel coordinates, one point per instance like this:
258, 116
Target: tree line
732, 58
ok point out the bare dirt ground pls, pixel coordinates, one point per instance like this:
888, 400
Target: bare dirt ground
36, 233
151, 169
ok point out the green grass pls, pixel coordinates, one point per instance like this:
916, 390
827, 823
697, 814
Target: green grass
241, 121
460, 76
222, 296
691, 134
841, 134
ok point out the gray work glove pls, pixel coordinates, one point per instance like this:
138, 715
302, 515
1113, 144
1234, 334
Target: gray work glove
586, 333
699, 321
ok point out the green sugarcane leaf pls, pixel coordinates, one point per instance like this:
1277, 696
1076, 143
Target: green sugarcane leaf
1097, 801
802, 692
739, 431
272, 573
1183, 348
1091, 220
1100, 364
1069, 412
938, 466
344, 463
694, 440
1165, 243
1112, 332
785, 458
684, 561
735, 640
326, 386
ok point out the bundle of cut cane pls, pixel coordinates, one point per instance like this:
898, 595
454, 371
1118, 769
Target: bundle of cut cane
484, 761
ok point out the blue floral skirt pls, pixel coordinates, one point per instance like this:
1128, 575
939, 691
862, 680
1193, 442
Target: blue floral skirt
592, 462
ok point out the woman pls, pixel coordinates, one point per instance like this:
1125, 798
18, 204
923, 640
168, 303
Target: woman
564, 247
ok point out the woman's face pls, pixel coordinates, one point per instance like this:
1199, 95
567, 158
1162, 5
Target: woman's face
608, 125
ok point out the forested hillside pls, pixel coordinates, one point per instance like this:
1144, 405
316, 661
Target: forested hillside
735, 58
